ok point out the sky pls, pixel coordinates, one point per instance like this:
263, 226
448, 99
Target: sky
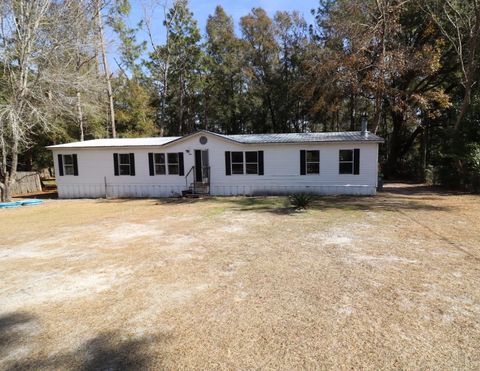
202, 9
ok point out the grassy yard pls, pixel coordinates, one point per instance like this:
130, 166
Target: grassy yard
390, 282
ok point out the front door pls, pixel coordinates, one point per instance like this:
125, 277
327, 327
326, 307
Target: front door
201, 166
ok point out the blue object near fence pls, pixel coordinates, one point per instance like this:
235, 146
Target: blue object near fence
14, 204
9, 205
31, 202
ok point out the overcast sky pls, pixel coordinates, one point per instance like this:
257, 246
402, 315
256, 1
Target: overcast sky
203, 8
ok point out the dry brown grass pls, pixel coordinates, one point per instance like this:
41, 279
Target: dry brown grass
374, 283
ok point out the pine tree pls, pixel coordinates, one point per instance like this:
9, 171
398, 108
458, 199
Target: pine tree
180, 62
224, 79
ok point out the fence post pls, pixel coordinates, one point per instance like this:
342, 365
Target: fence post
105, 182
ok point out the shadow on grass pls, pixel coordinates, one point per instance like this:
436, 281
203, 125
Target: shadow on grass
419, 190
281, 205
11, 330
394, 197
106, 351
45, 195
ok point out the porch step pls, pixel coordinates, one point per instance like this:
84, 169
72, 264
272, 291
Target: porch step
199, 188
194, 191
191, 195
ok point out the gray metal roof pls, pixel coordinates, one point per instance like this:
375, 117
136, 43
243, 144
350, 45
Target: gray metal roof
345, 136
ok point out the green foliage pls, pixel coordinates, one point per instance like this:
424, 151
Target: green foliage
224, 81
135, 114
177, 70
393, 60
301, 200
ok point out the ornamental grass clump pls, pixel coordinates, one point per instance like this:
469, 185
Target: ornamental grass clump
301, 201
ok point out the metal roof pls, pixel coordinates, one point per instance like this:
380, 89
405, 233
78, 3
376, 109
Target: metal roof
346, 136
118, 142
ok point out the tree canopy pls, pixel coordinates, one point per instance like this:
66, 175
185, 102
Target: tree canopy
411, 67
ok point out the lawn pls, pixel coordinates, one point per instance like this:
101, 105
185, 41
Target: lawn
385, 282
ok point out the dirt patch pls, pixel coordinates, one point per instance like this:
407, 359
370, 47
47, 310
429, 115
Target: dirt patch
237, 283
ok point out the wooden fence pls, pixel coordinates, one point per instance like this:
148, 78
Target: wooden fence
27, 182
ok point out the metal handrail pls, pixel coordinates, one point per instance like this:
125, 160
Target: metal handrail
186, 177
205, 174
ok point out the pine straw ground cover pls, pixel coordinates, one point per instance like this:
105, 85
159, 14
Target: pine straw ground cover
242, 283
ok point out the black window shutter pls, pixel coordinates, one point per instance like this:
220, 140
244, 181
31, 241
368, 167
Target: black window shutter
356, 161
181, 166
302, 162
228, 170
60, 165
260, 162
132, 164
115, 164
75, 165
150, 164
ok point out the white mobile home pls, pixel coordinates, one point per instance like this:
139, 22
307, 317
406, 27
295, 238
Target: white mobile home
217, 164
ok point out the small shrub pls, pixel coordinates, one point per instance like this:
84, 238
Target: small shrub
301, 200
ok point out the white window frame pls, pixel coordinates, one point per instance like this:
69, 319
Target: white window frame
236, 163
164, 163
312, 162
250, 162
177, 164
352, 162
70, 167
120, 164
244, 163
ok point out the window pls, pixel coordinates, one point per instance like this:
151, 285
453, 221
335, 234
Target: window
237, 162
248, 162
346, 161
160, 168
251, 162
313, 162
68, 165
124, 164
173, 164
249, 166
161, 163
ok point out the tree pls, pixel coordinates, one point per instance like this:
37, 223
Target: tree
36, 87
135, 112
261, 63
224, 78
81, 56
176, 68
130, 49
390, 56
98, 5
292, 38
459, 22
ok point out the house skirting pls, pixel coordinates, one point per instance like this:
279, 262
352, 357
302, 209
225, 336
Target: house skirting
156, 190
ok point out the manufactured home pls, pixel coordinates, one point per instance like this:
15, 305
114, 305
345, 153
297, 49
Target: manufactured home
218, 164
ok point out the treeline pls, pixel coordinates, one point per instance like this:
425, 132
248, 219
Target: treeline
412, 67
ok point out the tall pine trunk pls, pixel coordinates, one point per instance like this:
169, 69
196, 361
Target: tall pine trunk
106, 68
